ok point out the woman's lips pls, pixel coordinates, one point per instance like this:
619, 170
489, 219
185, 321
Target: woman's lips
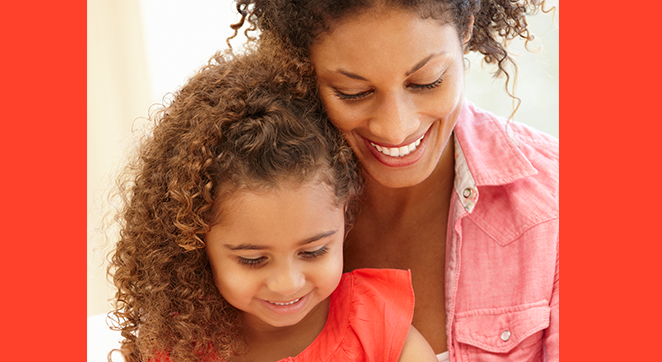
286, 307
399, 151
400, 156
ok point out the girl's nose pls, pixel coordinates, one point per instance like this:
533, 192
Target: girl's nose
286, 280
394, 119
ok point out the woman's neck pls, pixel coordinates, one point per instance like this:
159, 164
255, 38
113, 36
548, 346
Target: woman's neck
267, 343
387, 205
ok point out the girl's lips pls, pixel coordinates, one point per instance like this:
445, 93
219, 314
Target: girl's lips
286, 307
398, 156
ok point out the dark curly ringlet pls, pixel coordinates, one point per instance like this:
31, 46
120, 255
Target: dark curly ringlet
300, 22
251, 120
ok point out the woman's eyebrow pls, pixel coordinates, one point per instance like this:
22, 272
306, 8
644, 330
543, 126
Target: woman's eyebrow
422, 63
247, 246
418, 66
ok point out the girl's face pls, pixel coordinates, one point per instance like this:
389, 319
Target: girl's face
393, 83
276, 254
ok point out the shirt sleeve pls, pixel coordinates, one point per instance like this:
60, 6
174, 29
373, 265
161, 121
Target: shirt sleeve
551, 336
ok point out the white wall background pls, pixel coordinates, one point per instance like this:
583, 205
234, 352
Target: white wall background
139, 50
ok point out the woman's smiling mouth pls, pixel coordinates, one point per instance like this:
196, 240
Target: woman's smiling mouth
401, 155
399, 151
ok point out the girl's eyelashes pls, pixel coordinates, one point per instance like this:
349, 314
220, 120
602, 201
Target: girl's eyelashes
315, 253
252, 262
257, 262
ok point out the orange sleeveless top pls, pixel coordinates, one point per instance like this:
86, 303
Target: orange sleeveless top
369, 318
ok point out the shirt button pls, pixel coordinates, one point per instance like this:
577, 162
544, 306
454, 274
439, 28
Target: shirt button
505, 336
467, 193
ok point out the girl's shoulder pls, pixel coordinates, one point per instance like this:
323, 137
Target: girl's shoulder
369, 318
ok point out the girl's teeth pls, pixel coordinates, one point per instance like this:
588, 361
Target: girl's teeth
292, 302
400, 151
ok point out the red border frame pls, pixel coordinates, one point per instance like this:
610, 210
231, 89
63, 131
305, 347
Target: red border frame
43, 148
610, 145
609, 180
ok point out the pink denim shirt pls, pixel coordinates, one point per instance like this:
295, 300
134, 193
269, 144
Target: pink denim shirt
502, 255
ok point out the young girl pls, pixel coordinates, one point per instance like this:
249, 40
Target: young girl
232, 235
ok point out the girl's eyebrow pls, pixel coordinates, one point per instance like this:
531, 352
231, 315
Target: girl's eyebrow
350, 74
262, 247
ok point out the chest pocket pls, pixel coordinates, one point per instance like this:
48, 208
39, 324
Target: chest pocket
502, 334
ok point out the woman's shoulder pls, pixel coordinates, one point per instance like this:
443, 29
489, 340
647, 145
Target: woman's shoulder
499, 151
474, 119
512, 171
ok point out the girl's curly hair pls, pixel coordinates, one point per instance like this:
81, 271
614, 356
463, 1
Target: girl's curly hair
249, 120
300, 22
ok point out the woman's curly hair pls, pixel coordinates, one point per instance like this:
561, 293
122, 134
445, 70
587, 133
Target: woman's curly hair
300, 22
249, 120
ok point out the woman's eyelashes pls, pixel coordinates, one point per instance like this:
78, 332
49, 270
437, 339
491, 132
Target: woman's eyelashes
352, 97
432, 85
356, 96
309, 255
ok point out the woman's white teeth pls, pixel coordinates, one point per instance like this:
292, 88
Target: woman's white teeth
398, 151
292, 302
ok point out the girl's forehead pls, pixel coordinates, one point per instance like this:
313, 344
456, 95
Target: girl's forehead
278, 214
246, 197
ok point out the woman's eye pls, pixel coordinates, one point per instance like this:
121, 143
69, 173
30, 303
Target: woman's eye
314, 254
351, 97
432, 85
252, 262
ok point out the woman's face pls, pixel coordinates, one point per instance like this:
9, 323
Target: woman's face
393, 83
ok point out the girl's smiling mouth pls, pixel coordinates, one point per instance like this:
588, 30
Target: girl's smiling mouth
286, 307
288, 303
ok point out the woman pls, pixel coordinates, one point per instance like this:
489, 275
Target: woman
468, 201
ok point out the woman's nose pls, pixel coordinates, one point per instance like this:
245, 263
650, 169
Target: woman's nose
394, 119
287, 279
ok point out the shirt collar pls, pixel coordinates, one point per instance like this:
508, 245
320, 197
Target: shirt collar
486, 154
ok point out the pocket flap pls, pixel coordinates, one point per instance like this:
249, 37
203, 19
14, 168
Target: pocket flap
500, 329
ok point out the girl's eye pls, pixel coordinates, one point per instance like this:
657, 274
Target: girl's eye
351, 97
252, 262
314, 254
432, 85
